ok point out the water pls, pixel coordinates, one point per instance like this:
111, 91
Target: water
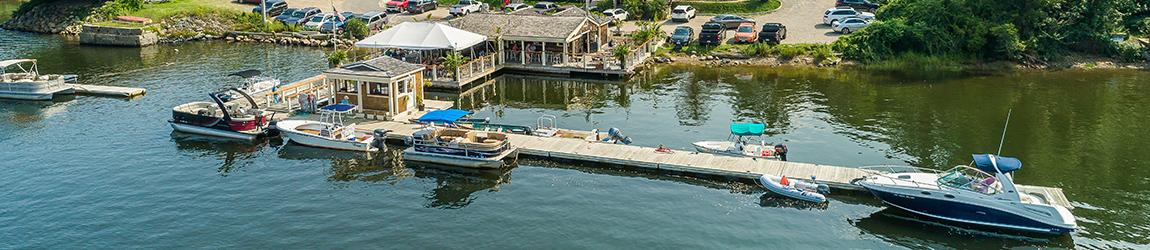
97, 172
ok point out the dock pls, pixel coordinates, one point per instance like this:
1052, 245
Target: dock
682, 161
106, 90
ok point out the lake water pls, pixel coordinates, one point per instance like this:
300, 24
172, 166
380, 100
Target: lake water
97, 172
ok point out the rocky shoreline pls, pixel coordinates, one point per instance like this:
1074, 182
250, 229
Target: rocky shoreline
47, 18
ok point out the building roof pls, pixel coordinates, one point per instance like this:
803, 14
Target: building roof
384, 67
522, 26
578, 12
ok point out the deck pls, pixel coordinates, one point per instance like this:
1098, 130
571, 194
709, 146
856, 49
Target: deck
106, 90
678, 161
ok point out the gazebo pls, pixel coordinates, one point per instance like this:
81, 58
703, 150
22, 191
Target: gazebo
379, 86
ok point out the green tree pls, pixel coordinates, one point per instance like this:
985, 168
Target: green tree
452, 61
356, 27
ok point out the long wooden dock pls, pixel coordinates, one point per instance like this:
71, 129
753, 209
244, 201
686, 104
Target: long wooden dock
683, 161
106, 90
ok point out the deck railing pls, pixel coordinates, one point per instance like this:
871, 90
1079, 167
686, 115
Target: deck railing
289, 95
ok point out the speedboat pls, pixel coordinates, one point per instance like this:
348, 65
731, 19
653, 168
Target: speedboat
971, 195
222, 118
254, 83
329, 131
545, 127
797, 189
29, 84
741, 143
458, 147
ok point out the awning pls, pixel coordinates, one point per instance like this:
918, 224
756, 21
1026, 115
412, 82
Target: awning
6, 63
422, 36
747, 129
445, 116
1004, 164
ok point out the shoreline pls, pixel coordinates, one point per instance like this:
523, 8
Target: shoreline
1069, 62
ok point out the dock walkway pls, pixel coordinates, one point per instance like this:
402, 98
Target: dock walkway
681, 161
106, 90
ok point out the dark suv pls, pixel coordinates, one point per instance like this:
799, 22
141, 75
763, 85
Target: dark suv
420, 6
773, 33
682, 36
712, 33
857, 4
274, 7
301, 16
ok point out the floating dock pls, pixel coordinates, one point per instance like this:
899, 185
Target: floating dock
683, 161
106, 90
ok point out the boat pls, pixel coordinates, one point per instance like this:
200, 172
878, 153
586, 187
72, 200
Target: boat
221, 118
982, 195
329, 132
28, 84
458, 147
545, 126
741, 143
797, 189
254, 83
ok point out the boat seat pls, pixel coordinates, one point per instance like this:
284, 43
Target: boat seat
490, 141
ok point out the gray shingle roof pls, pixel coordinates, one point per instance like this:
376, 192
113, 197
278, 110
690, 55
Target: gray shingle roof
519, 25
383, 66
577, 12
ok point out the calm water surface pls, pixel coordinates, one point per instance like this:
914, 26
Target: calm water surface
96, 172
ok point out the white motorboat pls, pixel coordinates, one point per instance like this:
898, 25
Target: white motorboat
28, 84
744, 135
797, 189
971, 195
254, 83
221, 118
329, 131
459, 147
545, 126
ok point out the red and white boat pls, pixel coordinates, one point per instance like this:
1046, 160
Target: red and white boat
229, 119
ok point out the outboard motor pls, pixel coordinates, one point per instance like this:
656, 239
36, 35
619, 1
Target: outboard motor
781, 151
617, 134
380, 138
272, 130
823, 189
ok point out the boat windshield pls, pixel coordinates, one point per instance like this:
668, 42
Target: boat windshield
968, 178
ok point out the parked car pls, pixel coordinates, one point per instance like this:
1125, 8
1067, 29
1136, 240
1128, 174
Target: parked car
682, 36
545, 7
594, 9
395, 5
713, 33
420, 6
730, 21
318, 19
849, 25
282, 17
515, 6
274, 7
374, 19
465, 7
840, 13
773, 33
683, 13
857, 4
745, 33
336, 23
302, 16
617, 14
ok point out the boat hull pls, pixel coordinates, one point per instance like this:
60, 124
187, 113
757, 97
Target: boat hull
188, 128
35, 96
773, 184
458, 160
722, 148
288, 129
953, 210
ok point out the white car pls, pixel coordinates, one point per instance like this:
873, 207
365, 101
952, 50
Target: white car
835, 14
318, 19
619, 14
846, 26
682, 13
515, 6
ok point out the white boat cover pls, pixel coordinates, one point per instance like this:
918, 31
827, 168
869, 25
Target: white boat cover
422, 36
6, 63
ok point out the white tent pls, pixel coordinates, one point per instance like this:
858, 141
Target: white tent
422, 36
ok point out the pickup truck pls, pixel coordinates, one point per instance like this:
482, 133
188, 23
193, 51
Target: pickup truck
773, 33
712, 33
465, 7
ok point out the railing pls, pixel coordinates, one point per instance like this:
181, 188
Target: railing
467, 70
468, 149
288, 95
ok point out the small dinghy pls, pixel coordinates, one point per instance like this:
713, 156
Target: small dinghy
795, 188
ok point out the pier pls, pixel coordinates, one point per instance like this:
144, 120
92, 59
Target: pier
678, 161
106, 90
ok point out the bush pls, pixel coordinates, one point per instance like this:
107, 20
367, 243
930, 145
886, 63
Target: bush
648, 31
356, 27
605, 5
645, 10
336, 58
750, 6
253, 22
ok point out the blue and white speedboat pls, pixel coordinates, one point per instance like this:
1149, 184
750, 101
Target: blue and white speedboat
972, 195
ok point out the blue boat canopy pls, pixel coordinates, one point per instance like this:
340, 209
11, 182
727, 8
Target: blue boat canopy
445, 116
338, 108
1005, 164
746, 129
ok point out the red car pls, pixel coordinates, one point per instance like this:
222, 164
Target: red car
746, 33
396, 5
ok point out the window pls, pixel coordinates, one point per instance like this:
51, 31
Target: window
347, 86
403, 87
376, 88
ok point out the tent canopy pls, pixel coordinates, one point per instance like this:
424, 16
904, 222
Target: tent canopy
444, 116
422, 36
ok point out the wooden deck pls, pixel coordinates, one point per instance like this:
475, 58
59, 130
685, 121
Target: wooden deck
680, 161
106, 90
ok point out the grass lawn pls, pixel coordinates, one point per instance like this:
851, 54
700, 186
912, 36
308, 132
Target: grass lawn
750, 6
157, 11
7, 7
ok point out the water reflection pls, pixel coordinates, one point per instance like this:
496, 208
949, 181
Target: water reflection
775, 200
521, 92
907, 230
455, 187
235, 154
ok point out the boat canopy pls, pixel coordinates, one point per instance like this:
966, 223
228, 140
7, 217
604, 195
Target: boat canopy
1005, 164
445, 116
747, 129
338, 108
246, 73
6, 63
